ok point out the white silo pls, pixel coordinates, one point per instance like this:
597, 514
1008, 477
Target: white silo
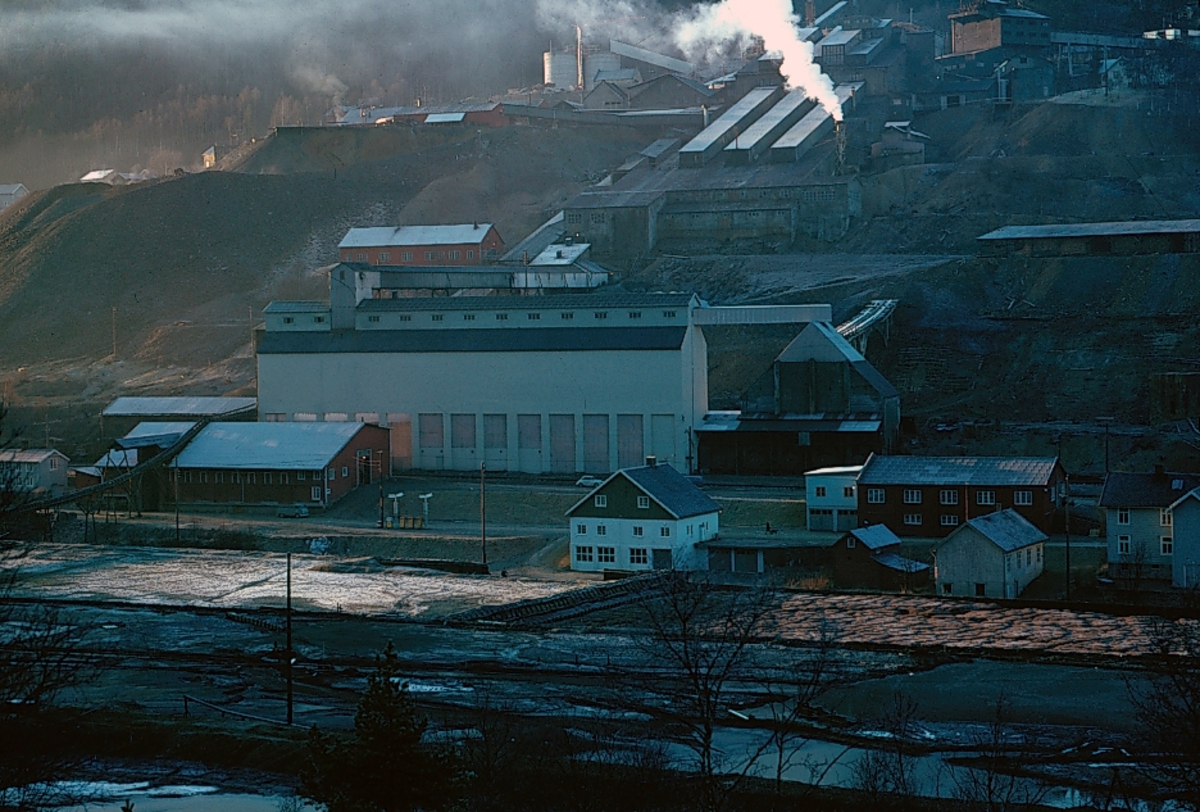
594, 62
558, 68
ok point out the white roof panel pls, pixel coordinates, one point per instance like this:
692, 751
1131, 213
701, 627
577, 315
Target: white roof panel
281, 446
184, 407
459, 234
559, 254
444, 118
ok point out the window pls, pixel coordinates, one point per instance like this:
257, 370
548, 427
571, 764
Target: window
875, 496
851, 542
665, 531
637, 530
946, 589
635, 314
316, 475
574, 219
985, 497
405, 317
1039, 553
601, 530
606, 555
600, 314
345, 472
533, 316
220, 477
848, 492
639, 555
300, 475
691, 529
454, 255
643, 502
501, 317
250, 478
316, 493
1023, 498
237, 478
470, 254
598, 217
1164, 517
601, 500
668, 314
583, 554
385, 257
1123, 545
948, 496
912, 496
820, 491
912, 518
332, 475
54, 463
373, 319
319, 319
581, 529
949, 520
437, 317
1166, 545
567, 316
361, 256
406, 256
1122, 515
429, 256
268, 478
288, 319
468, 317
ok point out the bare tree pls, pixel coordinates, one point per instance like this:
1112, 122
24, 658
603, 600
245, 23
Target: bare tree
700, 634
889, 769
1167, 704
984, 782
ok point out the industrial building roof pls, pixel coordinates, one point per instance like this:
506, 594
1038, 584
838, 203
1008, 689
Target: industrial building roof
840, 36
1006, 528
650, 57
457, 234
1116, 229
674, 492
297, 307
1145, 490
729, 119
153, 433
513, 339
546, 234
182, 407
280, 446
561, 254
875, 536
737, 421
613, 199
597, 301
802, 129
999, 471
770, 120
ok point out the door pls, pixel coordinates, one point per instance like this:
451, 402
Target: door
629, 441
662, 437
400, 424
661, 559
562, 443
529, 443
595, 444
495, 441
462, 443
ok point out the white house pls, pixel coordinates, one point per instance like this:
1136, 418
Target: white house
649, 517
33, 470
993, 556
1139, 522
831, 495
1185, 512
10, 193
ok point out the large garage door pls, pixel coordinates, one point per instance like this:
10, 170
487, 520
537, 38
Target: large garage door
629, 441
529, 443
562, 443
432, 440
495, 441
595, 443
401, 426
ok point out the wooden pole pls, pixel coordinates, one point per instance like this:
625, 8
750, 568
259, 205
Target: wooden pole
288, 653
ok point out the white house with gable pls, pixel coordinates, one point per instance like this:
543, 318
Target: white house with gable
831, 495
992, 556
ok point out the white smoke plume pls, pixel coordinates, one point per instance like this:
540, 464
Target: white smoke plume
777, 24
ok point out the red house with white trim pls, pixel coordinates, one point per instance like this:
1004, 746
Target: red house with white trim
463, 244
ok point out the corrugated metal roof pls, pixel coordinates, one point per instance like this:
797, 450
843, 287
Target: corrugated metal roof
191, 407
613, 199
650, 57
386, 236
1145, 490
591, 301
678, 495
154, 428
297, 307
1114, 229
279, 446
1006, 528
788, 423
1016, 471
542, 339
875, 536
444, 118
29, 454
895, 561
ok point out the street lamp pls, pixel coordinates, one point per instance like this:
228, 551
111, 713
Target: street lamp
425, 497
395, 497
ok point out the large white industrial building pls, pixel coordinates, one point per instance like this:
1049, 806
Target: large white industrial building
573, 383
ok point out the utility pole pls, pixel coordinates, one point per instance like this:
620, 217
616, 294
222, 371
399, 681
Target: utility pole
1067, 527
288, 653
176, 472
482, 509
114, 332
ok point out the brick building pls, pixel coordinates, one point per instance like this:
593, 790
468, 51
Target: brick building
462, 244
931, 496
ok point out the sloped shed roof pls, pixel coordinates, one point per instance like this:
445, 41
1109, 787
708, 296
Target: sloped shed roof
281, 446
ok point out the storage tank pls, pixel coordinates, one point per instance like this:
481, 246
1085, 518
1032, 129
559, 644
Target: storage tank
559, 68
592, 63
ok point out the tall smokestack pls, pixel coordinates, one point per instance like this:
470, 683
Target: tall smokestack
810, 13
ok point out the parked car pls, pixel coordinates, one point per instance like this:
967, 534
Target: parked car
293, 511
588, 481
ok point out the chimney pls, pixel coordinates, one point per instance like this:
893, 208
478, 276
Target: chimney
651, 461
810, 13
477, 226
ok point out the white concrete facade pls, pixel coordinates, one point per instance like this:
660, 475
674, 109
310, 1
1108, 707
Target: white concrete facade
640, 544
831, 496
968, 564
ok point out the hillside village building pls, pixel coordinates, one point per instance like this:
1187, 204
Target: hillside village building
41, 471
831, 497
1185, 515
10, 193
992, 556
648, 517
571, 383
1139, 521
464, 244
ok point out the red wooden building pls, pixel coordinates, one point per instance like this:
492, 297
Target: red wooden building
463, 244
930, 496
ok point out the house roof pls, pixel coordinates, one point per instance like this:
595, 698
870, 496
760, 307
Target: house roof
1010, 471
458, 234
1145, 490
673, 492
11, 188
875, 536
895, 561
183, 407
29, 454
1006, 528
287, 446
1194, 493
841, 469
150, 433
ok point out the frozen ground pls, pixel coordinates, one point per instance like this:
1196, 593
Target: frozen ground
226, 579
